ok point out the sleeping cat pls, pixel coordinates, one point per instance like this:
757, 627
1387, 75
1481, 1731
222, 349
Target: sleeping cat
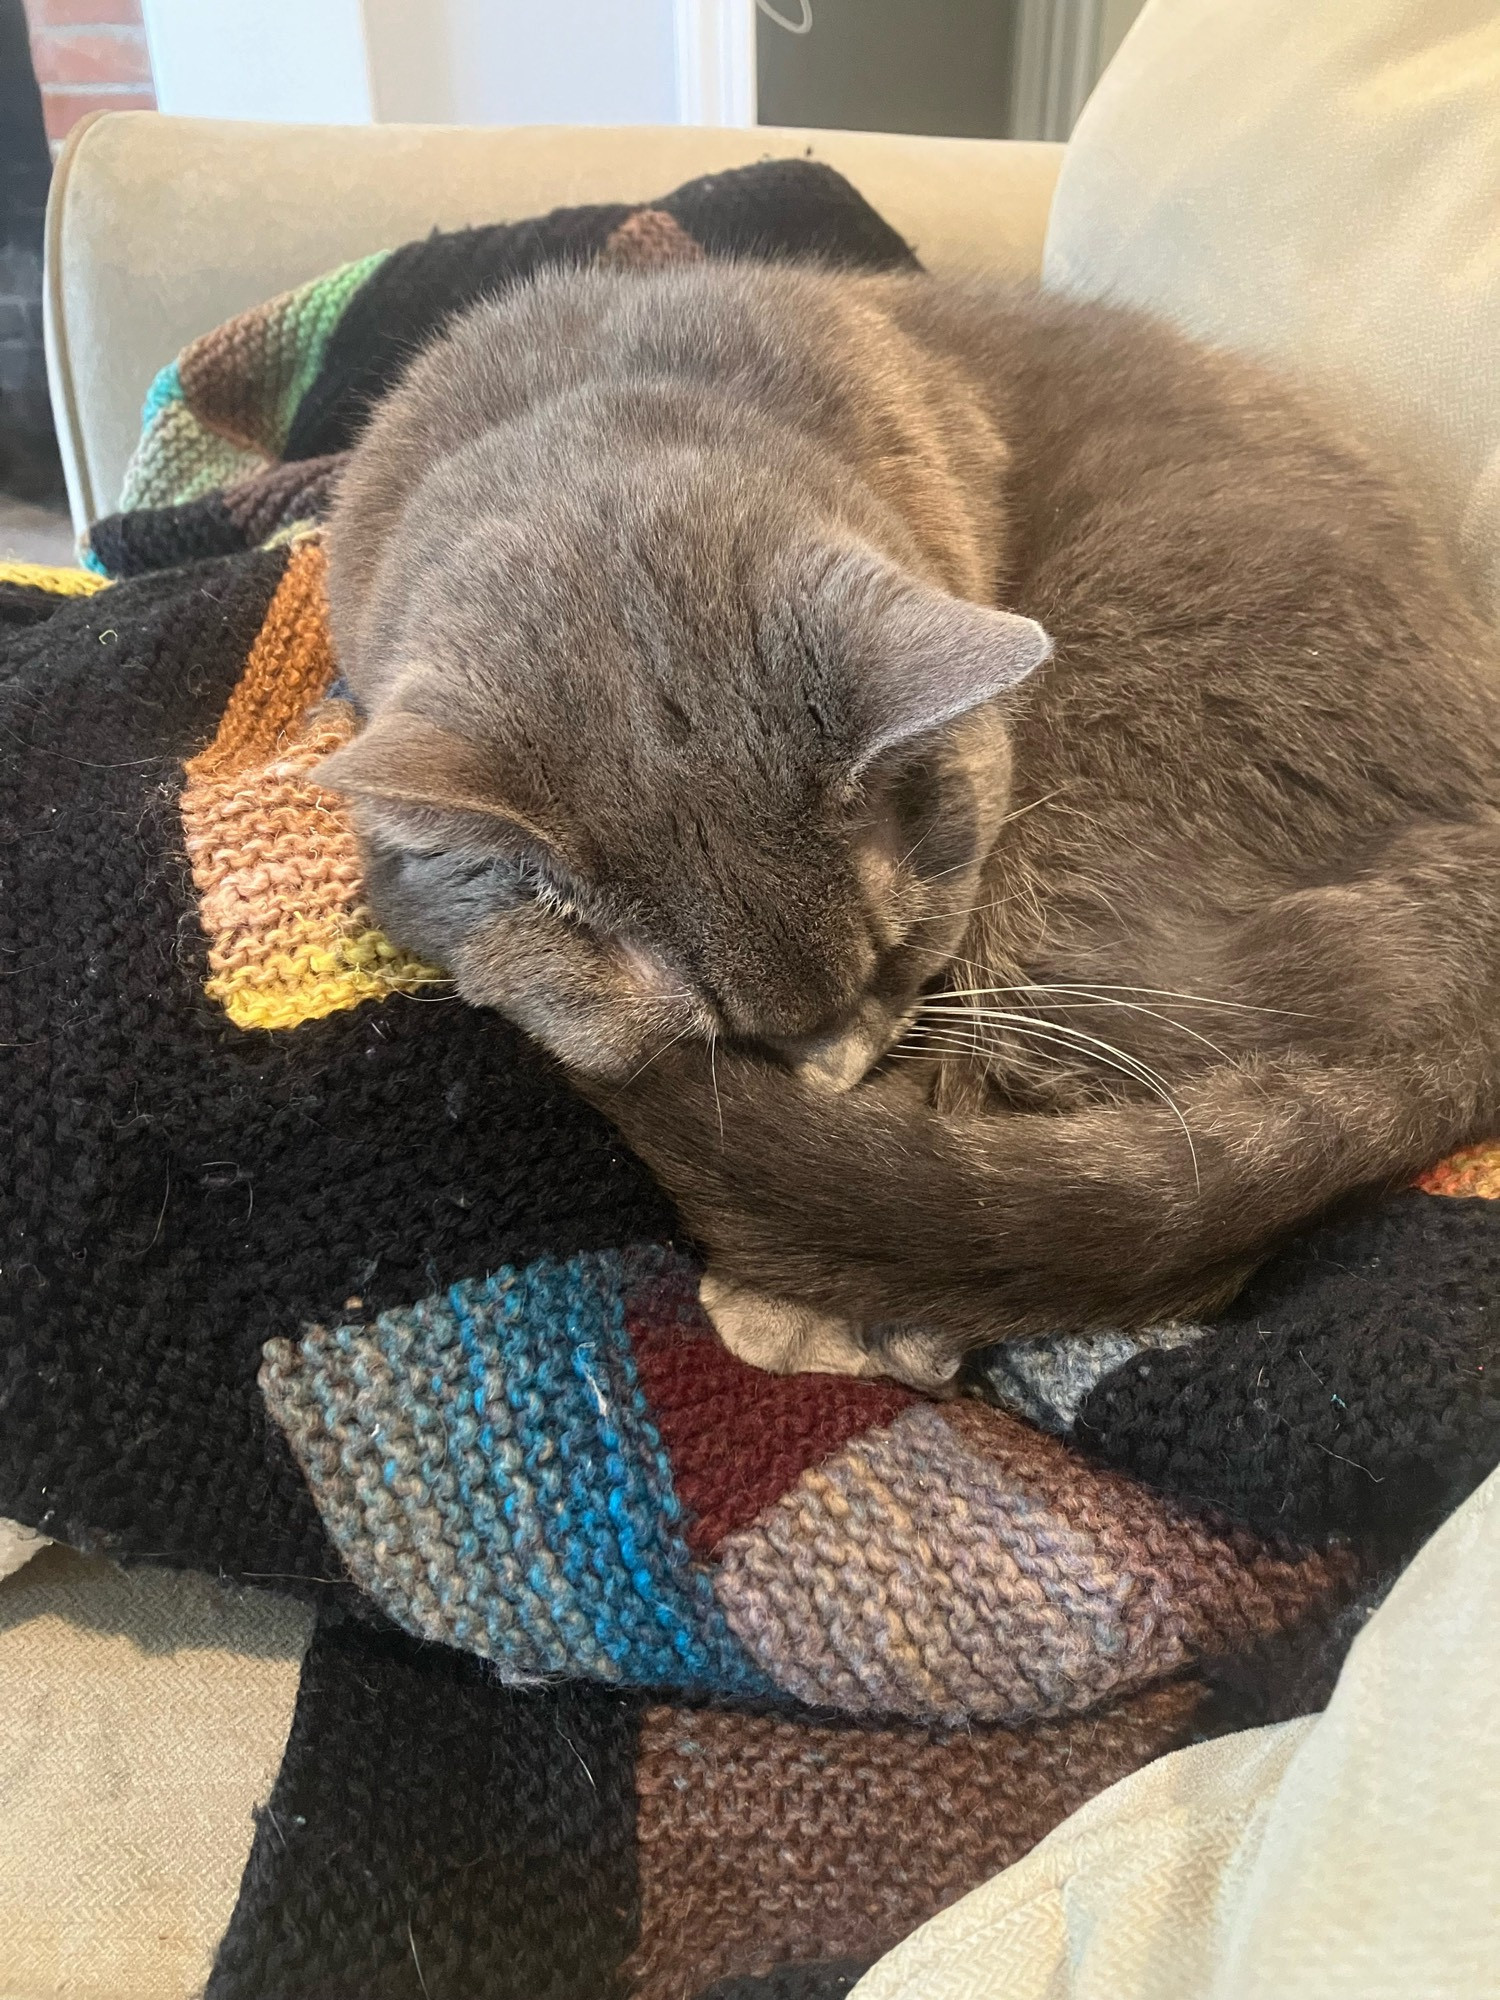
1000, 805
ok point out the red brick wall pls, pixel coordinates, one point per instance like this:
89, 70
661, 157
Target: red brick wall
89, 55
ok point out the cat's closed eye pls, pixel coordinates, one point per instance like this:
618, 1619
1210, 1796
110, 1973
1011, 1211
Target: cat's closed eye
434, 900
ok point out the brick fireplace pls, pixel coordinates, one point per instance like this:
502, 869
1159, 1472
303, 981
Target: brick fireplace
89, 55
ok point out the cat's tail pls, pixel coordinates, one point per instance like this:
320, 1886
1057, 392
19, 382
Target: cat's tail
875, 1210
883, 1212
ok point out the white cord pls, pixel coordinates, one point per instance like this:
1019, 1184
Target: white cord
802, 27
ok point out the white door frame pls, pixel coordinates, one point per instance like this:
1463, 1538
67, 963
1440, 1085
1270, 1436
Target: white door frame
716, 62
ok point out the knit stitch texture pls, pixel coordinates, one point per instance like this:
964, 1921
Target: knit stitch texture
490, 1471
572, 1843
1353, 1388
289, 383
426, 1819
488, 1467
829, 1654
273, 853
178, 1189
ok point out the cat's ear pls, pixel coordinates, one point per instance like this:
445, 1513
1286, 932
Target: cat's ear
421, 783
927, 658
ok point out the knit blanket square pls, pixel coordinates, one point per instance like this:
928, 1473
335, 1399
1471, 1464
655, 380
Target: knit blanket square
636, 1671
273, 853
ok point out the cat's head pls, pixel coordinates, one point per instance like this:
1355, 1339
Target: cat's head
681, 792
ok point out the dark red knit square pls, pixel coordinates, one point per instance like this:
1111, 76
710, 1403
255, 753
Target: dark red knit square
737, 1438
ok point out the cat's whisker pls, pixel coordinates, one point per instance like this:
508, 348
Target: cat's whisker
1078, 996
941, 1047
960, 867
657, 1052
925, 834
947, 1026
1118, 1058
1106, 1052
1154, 1014
957, 1034
1081, 997
942, 874
1091, 819
947, 1046
713, 1071
433, 993
1031, 806
1152, 992
974, 910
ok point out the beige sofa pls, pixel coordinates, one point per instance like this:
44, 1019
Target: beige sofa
159, 228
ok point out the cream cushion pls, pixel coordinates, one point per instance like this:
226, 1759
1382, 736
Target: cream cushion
1316, 182
142, 1719
17, 1546
159, 228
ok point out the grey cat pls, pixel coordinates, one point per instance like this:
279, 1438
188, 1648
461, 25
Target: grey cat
1001, 805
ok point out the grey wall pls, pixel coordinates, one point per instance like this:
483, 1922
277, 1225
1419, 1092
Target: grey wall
890, 66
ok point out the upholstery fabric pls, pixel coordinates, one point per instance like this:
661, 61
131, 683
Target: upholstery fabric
142, 1719
1315, 184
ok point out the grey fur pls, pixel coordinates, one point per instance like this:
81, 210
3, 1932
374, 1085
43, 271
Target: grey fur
696, 615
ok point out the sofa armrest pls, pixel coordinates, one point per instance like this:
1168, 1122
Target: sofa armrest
159, 228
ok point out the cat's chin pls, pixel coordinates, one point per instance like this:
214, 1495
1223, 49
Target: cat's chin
842, 1061
842, 1065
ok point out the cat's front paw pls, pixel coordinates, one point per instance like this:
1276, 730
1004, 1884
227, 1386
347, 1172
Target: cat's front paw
785, 1338
781, 1337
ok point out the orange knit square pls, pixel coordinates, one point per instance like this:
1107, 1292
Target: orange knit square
290, 667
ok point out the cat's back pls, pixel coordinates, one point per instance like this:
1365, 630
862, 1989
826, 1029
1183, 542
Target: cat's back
1139, 484
795, 339
1257, 616
581, 377
1092, 401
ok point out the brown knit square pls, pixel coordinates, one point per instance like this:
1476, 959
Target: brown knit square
763, 1841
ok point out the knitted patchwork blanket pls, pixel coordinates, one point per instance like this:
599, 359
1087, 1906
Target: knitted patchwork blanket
636, 1672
